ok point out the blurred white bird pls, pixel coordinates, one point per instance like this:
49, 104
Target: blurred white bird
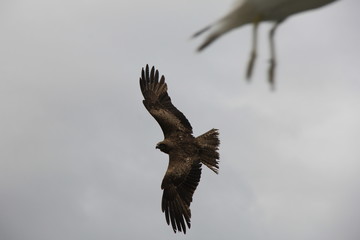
256, 11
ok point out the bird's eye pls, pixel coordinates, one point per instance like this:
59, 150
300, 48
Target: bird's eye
162, 146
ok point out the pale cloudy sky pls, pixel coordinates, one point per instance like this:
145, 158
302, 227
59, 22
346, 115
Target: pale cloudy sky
77, 147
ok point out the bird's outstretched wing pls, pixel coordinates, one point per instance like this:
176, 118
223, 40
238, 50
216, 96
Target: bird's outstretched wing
177, 197
158, 103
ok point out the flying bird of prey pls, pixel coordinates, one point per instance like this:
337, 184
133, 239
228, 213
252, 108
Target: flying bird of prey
186, 153
256, 11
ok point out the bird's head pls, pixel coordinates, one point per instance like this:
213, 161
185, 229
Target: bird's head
164, 146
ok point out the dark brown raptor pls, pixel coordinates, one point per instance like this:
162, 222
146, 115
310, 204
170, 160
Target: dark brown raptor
186, 153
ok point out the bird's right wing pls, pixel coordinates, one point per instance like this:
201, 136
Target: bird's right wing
158, 103
177, 195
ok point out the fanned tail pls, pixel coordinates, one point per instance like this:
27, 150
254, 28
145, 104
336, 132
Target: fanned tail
209, 146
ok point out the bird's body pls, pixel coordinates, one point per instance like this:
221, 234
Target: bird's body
186, 153
254, 12
275, 10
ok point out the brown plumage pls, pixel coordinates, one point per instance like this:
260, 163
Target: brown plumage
186, 153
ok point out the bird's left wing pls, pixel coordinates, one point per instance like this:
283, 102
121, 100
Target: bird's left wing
158, 103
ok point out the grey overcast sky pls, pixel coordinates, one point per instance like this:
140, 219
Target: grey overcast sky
77, 147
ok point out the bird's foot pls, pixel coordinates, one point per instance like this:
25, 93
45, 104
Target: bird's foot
271, 73
251, 64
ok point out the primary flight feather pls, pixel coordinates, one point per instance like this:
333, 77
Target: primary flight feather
186, 153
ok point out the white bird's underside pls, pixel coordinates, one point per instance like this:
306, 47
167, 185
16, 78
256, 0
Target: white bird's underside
256, 11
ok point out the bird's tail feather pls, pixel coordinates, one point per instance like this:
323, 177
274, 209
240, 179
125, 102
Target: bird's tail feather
243, 12
211, 38
209, 146
201, 31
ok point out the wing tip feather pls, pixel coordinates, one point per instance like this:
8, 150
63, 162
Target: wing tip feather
150, 80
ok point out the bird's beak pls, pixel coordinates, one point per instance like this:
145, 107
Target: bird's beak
157, 146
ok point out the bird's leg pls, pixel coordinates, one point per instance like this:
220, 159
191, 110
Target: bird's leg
272, 55
253, 49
